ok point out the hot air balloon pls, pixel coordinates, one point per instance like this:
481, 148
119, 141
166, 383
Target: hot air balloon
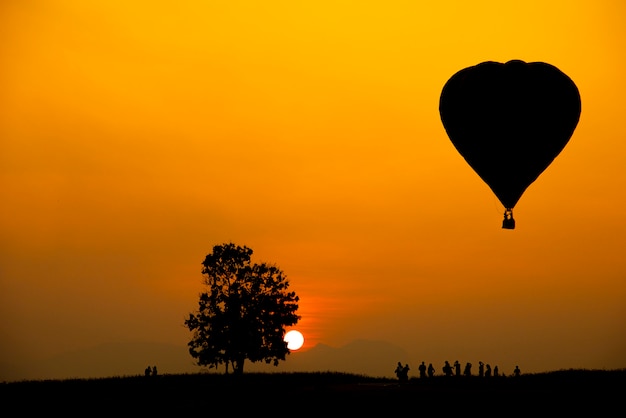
509, 121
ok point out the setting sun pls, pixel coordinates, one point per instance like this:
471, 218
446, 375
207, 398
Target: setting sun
294, 339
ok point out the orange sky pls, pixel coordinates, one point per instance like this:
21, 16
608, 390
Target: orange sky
135, 136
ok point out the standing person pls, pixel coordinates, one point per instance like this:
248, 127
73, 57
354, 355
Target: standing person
496, 373
457, 368
154, 371
468, 369
148, 371
431, 370
398, 371
422, 369
488, 371
517, 371
405, 373
447, 369
481, 369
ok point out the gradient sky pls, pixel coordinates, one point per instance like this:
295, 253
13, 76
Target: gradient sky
136, 135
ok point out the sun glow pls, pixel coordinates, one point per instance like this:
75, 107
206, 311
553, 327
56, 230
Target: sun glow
294, 339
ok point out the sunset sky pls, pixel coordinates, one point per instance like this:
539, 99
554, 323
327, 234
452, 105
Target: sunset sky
136, 135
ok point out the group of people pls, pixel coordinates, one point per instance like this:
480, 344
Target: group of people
151, 371
484, 370
402, 372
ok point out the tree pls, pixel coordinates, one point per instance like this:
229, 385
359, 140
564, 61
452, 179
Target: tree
243, 313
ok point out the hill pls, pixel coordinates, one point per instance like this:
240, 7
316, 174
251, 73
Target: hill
321, 394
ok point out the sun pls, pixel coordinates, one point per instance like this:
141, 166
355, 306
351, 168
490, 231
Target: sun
294, 339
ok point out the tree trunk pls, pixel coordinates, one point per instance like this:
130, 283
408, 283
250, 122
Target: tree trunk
238, 366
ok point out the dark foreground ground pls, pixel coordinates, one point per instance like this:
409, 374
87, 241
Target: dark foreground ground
292, 395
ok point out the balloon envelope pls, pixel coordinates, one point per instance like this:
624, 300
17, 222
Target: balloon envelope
509, 121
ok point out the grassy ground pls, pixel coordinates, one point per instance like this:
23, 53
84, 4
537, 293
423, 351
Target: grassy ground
324, 394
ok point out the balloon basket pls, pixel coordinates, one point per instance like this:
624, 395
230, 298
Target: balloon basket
508, 222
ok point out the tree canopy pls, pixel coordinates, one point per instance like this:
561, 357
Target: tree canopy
243, 313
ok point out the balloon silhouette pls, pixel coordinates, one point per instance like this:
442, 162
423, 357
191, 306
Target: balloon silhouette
509, 121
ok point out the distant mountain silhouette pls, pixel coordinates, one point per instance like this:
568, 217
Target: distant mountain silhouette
367, 357
372, 358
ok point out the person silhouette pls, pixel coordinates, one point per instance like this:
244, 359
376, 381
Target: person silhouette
398, 371
405, 373
447, 369
148, 371
457, 368
422, 369
154, 371
431, 370
487, 371
468, 369
517, 371
496, 373
481, 369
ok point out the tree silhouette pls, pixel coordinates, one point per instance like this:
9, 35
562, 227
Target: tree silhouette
244, 312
